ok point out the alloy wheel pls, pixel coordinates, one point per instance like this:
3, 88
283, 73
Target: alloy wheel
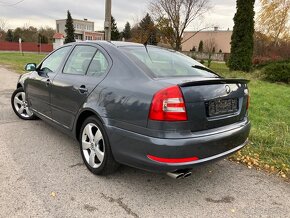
21, 105
93, 145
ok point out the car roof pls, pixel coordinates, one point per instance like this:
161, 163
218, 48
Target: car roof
120, 44
124, 44
115, 43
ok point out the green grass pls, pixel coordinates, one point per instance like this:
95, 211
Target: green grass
270, 117
269, 113
16, 61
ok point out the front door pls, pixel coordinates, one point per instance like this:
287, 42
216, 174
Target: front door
38, 85
83, 71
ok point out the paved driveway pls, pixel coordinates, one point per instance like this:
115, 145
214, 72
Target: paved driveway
42, 175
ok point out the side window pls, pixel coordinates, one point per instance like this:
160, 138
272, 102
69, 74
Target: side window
53, 62
98, 66
79, 60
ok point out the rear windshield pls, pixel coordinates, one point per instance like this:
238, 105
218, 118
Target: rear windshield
166, 63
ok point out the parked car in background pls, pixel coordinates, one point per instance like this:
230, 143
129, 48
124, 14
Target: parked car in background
143, 106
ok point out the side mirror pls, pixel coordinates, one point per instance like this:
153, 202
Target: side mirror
30, 67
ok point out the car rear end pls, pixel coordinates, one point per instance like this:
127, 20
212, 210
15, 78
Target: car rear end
191, 120
210, 115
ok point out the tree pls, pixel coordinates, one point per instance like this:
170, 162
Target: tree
47, 34
115, 34
127, 34
29, 34
17, 33
165, 31
242, 44
26, 33
145, 31
148, 30
2, 35
3, 24
9, 36
200, 46
69, 29
273, 19
209, 46
180, 13
266, 51
42, 39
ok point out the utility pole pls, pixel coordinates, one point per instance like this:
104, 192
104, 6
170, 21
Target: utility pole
108, 15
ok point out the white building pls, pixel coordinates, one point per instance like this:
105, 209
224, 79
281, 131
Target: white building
84, 29
58, 40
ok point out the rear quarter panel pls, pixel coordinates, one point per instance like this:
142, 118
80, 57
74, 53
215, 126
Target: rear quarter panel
124, 97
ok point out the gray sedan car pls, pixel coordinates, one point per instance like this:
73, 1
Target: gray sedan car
143, 106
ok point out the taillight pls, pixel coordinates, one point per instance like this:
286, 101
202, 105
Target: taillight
168, 105
248, 102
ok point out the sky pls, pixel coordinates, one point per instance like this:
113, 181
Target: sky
19, 13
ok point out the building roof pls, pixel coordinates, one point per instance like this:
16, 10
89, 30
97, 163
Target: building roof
78, 20
209, 31
58, 36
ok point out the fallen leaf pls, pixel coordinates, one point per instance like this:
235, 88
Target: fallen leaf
53, 194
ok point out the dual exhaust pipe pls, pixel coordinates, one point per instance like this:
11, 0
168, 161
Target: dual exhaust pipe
179, 174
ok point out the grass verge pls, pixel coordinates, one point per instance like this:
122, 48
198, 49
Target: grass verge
16, 61
269, 146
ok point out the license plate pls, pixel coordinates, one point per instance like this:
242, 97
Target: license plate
222, 107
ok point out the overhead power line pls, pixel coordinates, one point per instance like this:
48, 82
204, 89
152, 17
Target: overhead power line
8, 4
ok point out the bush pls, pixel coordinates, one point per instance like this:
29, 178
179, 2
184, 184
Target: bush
262, 61
193, 56
277, 72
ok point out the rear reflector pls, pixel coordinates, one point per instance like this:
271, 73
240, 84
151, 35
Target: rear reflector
168, 105
248, 102
172, 160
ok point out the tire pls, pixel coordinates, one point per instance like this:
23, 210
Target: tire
95, 148
19, 105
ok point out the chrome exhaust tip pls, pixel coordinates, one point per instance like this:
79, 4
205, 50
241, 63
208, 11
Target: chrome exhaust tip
188, 174
180, 174
175, 175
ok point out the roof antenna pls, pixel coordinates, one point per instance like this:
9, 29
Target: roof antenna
146, 44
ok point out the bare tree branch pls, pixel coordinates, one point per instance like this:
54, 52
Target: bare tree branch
3, 24
185, 40
181, 14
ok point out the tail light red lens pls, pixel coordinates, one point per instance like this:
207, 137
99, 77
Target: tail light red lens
168, 105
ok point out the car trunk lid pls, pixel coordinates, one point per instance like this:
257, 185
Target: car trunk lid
214, 103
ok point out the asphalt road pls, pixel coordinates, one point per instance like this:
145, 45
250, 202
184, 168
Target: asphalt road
42, 175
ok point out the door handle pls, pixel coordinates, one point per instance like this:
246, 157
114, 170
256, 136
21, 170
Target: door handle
47, 82
83, 89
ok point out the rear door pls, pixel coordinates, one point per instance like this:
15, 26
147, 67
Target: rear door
84, 70
38, 85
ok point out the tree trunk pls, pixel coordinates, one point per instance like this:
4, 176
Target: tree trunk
178, 43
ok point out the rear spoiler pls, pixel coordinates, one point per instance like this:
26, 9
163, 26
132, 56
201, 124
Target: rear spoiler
214, 82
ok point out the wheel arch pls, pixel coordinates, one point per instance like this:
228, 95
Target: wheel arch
19, 85
82, 117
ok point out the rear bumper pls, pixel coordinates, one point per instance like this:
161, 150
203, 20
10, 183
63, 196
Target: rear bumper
135, 150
